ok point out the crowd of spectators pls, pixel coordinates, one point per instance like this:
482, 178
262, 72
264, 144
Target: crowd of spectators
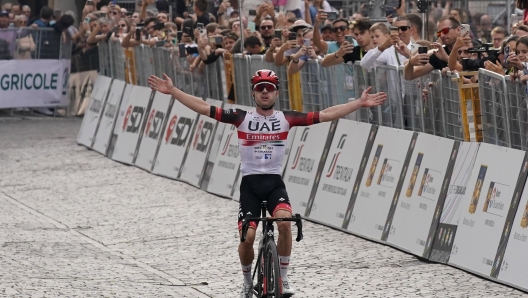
204, 31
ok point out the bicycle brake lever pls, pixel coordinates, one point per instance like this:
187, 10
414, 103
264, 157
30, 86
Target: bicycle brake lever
298, 223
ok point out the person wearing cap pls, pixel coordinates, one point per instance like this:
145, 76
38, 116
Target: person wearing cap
8, 36
326, 33
262, 136
292, 46
339, 30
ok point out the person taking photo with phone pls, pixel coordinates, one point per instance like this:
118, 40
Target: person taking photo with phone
347, 52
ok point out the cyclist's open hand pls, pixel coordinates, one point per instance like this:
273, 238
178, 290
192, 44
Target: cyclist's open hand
164, 86
372, 100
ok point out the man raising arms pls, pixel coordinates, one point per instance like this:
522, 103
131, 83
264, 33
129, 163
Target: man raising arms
267, 128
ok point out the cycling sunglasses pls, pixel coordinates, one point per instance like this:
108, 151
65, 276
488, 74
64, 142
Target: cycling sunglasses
261, 86
342, 28
444, 31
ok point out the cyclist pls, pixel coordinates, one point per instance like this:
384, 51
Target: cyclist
262, 134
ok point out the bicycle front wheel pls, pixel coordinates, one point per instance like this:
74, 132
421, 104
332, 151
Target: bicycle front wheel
272, 280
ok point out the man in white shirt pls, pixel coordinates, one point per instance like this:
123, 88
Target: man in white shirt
395, 50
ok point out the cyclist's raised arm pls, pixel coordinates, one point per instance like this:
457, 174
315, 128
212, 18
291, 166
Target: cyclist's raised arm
340, 111
295, 118
165, 86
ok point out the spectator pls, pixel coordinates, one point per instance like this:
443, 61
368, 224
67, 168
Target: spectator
20, 21
266, 30
15, 9
45, 17
459, 52
416, 26
339, 28
497, 36
291, 47
25, 43
379, 33
304, 54
510, 44
253, 46
449, 31
347, 52
485, 28
326, 33
163, 17
26, 10
200, 10
8, 36
519, 59
135, 18
395, 50
313, 8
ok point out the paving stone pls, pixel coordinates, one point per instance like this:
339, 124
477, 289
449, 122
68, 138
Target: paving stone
76, 224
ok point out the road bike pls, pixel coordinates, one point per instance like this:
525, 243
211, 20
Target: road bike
269, 282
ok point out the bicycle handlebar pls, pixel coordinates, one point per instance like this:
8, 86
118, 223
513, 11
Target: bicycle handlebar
245, 224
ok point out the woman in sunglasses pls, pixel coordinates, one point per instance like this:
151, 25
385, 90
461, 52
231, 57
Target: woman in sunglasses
262, 134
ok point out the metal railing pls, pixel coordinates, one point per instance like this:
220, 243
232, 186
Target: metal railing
494, 110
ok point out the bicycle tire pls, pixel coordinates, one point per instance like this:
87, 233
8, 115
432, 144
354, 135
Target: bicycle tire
272, 279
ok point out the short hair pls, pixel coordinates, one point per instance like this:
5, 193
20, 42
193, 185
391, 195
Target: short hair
416, 22
424, 43
201, 5
381, 27
339, 20
291, 20
499, 30
170, 25
403, 19
454, 22
150, 20
46, 12
223, 27
211, 27
252, 41
363, 25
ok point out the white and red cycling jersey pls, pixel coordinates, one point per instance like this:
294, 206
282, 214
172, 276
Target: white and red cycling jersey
262, 139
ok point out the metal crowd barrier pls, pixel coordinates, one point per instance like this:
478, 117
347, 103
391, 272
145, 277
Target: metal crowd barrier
494, 110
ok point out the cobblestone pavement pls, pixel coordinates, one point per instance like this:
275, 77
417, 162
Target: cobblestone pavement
76, 224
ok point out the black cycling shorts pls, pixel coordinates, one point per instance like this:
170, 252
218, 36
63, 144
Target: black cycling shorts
263, 187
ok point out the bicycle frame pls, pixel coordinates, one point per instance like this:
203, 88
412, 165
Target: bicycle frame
267, 236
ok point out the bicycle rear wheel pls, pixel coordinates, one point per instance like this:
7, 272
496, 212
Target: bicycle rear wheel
272, 280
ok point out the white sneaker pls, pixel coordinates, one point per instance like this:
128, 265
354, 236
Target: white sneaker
247, 291
287, 289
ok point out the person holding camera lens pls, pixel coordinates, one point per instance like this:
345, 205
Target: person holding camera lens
421, 64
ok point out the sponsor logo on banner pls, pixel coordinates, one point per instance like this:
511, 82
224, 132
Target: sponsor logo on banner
133, 119
155, 122
95, 108
299, 149
65, 80
203, 136
228, 149
180, 129
336, 171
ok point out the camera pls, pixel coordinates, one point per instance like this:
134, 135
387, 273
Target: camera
474, 64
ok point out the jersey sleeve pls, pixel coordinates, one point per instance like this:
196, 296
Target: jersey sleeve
231, 116
301, 119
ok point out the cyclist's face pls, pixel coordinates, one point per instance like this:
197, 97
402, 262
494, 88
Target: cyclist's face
265, 98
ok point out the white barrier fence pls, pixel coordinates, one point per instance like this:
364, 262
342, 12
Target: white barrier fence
450, 202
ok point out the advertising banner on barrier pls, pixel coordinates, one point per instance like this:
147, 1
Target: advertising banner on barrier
511, 262
485, 206
193, 167
93, 114
154, 131
111, 108
422, 196
130, 128
447, 226
341, 169
34, 83
226, 164
120, 117
177, 136
305, 158
80, 90
379, 183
